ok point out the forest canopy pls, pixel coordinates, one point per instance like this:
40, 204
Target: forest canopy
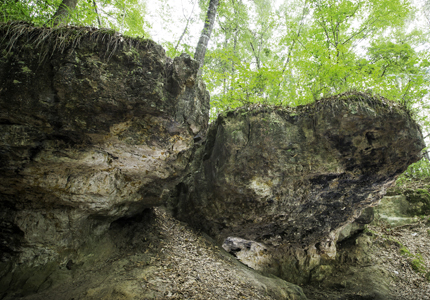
283, 52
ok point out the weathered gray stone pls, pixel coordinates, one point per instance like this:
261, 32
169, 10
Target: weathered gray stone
252, 254
287, 177
403, 206
93, 127
394, 211
366, 217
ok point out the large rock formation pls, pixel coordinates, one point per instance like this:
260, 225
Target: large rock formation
292, 178
97, 127
94, 126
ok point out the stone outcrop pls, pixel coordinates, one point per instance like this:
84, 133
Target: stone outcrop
394, 211
291, 179
400, 207
94, 127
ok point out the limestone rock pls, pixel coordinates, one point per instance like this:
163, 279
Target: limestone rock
394, 211
366, 217
419, 202
93, 127
288, 177
403, 205
251, 253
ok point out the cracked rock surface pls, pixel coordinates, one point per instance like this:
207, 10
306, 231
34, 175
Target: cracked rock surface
97, 129
292, 178
100, 129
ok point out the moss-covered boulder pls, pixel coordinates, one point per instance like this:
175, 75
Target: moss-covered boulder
419, 201
292, 177
404, 203
394, 211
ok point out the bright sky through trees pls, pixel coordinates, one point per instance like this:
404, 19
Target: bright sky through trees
177, 12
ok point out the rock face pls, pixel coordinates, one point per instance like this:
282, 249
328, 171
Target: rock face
403, 207
359, 224
94, 127
394, 211
292, 178
252, 254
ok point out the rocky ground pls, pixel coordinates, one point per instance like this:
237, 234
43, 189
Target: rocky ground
380, 263
155, 256
405, 253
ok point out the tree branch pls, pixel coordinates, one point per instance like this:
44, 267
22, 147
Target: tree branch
186, 26
97, 13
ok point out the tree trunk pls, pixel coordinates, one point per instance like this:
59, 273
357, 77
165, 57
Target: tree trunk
97, 13
63, 12
199, 55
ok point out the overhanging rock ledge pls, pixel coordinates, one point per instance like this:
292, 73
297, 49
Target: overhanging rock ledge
291, 178
93, 127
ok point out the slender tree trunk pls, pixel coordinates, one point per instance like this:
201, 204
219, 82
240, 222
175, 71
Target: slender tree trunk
63, 12
97, 13
233, 68
200, 53
426, 8
224, 69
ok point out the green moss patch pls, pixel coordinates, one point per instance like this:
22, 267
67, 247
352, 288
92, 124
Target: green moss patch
420, 198
415, 260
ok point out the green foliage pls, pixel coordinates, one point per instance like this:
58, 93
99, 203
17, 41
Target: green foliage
418, 264
37, 12
416, 260
125, 16
185, 41
369, 231
405, 251
304, 50
416, 171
